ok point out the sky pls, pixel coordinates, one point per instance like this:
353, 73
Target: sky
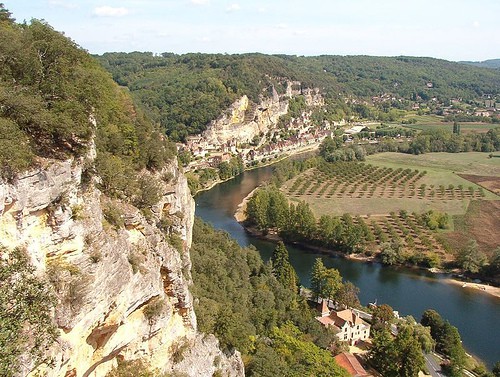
447, 29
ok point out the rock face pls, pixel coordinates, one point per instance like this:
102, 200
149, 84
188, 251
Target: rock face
244, 120
123, 291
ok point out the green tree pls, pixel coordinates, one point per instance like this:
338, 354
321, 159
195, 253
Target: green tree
383, 354
277, 210
399, 357
433, 320
26, 304
347, 295
332, 282
282, 268
447, 339
257, 209
325, 282
493, 268
470, 258
411, 359
5, 15
304, 222
329, 230
496, 369
382, 315
391, 253
317, 273
421, 333
450, 344
305, 357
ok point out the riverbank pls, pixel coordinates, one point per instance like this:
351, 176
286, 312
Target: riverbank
472, 286
271, 161
273, 236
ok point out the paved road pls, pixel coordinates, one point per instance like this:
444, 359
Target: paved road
432, 364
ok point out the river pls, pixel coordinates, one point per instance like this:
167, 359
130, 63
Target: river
476, 315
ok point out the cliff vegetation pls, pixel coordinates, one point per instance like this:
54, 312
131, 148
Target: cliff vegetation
52, 94
95, 223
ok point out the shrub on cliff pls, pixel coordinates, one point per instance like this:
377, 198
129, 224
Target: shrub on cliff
26, 303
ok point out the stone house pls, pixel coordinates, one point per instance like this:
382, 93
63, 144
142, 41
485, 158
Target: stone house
347, 324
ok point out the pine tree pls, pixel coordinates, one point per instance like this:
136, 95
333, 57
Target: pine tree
317, 274
282, 268
325, 282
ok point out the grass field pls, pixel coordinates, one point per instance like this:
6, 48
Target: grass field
442, 168
427, 122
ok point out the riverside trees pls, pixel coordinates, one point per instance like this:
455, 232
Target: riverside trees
327, 283
397, 357
447, 340
268, 209
254, 307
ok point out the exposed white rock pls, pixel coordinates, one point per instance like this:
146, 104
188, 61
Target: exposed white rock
245, 120
106, 278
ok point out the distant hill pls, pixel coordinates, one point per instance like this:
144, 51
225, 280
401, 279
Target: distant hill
491, 63
185, 92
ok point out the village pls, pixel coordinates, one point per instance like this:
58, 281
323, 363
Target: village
253, 134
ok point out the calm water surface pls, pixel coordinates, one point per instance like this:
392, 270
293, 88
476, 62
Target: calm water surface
476, 315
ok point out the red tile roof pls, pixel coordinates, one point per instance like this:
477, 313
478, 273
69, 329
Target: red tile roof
351, 364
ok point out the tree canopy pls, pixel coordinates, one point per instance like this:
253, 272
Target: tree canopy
255, 307
55, 99
185, 92
26, 304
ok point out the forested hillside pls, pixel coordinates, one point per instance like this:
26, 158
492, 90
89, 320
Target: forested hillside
54, 98
185, 92
255, 308
491, 63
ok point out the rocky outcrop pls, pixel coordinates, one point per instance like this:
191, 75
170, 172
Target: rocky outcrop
122, 288
244, 120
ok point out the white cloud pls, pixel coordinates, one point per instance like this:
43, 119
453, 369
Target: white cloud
200, 2
107, 11
233, 8
476, 24
62, 4
282, 26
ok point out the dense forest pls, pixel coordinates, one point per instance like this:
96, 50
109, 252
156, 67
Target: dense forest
491, 63
55, 100
184, 93
255, 307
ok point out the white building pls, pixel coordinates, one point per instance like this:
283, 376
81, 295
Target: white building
348, 325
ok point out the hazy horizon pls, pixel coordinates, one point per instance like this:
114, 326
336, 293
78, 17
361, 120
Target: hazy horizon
452, 30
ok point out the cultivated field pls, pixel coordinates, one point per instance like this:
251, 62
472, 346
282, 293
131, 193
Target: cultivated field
390, 182
390, 191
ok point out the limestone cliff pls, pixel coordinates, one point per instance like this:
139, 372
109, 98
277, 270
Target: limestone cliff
123, 289
244, 120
